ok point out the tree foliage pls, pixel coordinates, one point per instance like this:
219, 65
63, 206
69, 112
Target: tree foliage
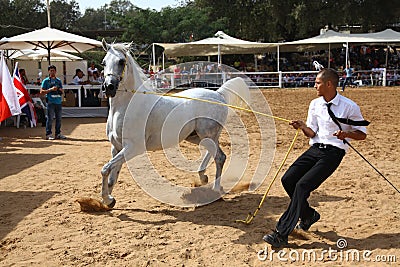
19, 16
256, 20
274, 20
64, 14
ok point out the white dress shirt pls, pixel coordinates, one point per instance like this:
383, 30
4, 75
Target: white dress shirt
321, 123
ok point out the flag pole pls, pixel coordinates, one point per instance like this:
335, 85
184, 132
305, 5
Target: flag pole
48, 13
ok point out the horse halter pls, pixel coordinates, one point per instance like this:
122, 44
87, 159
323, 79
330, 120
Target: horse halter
120, 77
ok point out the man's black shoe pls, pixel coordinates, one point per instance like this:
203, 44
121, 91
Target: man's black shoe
306, 223
276, 240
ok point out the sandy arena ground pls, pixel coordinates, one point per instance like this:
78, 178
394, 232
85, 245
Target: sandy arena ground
42, 225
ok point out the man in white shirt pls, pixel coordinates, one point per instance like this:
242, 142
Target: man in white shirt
328, 139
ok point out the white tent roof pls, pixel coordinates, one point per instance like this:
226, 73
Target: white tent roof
336, 39
221, 43
49, 38
387, 36
40, 54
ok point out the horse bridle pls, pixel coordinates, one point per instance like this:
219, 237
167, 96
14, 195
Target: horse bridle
119, 77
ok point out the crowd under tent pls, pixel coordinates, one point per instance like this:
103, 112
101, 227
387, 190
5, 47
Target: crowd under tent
222, 43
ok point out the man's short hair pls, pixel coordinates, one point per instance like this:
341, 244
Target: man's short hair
51, 67
329, 75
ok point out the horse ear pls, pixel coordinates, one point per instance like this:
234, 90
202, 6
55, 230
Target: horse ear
129, 46
105, 45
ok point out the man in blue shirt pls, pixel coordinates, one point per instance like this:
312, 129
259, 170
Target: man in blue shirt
348, 79
52, 88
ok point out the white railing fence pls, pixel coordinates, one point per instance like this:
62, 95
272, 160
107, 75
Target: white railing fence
281, 79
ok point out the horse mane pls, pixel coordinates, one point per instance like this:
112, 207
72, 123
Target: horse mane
125, 48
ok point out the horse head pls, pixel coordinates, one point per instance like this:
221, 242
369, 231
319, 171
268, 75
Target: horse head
114, 64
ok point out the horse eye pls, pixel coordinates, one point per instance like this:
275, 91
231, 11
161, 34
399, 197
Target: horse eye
122, 61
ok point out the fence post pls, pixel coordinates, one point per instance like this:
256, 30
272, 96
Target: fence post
384, 77
172, 81
280, 79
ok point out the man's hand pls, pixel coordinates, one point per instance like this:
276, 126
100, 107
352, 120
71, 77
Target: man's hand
298, 124
340, 134
355, 135
303, 126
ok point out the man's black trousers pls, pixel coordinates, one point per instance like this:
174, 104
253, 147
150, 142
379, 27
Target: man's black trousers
304, 176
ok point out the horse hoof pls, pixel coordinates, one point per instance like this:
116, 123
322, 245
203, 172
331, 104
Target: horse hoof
112, 204
219, 190
203, 179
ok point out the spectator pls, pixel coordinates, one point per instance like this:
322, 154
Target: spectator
349, 78
39, 107
96, 78
23, 77
78, 77
52, 88
90, 71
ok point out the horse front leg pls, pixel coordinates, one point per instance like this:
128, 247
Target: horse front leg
114, 173
111, 166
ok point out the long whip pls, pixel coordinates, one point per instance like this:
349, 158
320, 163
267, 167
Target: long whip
370, 164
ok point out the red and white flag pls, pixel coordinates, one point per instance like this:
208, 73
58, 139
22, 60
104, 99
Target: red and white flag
25, 101
9, 104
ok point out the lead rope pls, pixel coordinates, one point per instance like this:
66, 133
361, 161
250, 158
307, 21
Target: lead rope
213, 102
250, 216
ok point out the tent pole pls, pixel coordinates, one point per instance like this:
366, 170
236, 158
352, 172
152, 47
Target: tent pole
347, 55
48, 54
219, 54
277, 51
163, 60
48, 13
154, 55
387, 50
329, 55
65, 72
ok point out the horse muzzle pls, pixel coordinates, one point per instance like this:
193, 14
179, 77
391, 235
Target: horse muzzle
109, 89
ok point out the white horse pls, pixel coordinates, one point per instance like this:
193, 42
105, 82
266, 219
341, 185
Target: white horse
318, 66
144, 127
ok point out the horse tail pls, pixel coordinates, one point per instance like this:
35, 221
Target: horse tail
236, 92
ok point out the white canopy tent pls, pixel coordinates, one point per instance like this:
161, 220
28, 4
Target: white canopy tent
337, 39
49, 39
220, 44
331, 39
40, 54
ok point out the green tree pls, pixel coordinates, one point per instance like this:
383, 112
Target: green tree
64, 14
19, 16
275, 20
93, 19
180, 24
